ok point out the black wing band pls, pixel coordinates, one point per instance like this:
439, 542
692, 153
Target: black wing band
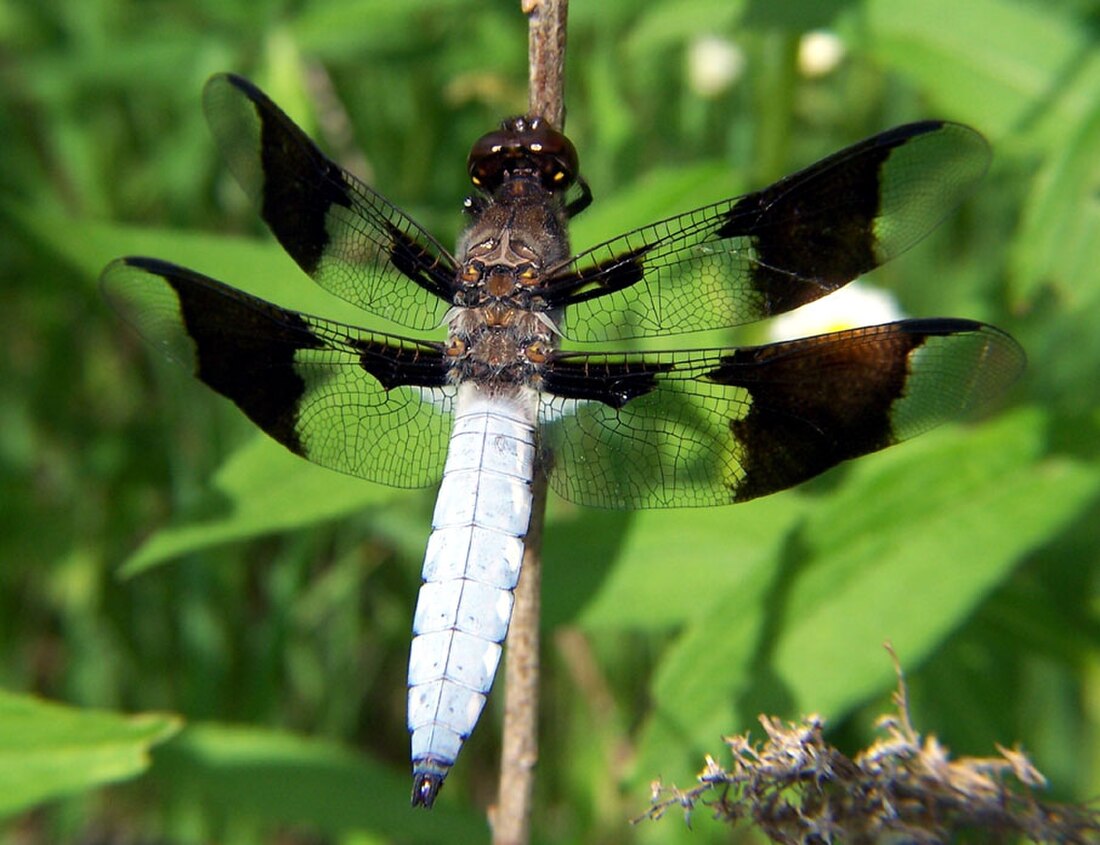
360, 402
350, 239
712, 427
752, 257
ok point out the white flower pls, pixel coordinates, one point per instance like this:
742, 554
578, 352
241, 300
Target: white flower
854, 305
714, 64
819, 53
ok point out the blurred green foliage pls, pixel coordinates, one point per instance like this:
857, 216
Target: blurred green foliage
277, 636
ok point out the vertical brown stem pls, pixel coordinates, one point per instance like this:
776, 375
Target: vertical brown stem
546, 59
511, 818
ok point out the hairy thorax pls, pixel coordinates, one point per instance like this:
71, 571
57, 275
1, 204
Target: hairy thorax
500, 331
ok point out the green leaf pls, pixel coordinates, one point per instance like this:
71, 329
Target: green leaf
661, 192
49, 750
279, 778
718, 548
261, 268
794, 15
266, 489
661, 26
904, 552
1059, 241
990, 60
334, 31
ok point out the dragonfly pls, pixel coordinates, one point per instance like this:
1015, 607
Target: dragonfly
494, 401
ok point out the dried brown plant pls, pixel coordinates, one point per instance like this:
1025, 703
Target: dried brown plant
905, 788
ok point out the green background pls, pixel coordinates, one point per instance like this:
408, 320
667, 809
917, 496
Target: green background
205, 639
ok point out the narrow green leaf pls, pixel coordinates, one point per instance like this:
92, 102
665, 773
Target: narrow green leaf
48, 750
660, 26
258, 267
1059, 242
794, 15
279, 778
266, 489
992, 63
334, 31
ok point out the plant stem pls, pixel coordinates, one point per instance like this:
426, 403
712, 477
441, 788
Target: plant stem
511, 817
546, 59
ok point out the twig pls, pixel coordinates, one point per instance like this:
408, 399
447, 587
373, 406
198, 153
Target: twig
511, 818
546, 59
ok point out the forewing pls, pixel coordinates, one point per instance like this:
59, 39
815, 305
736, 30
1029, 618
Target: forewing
765, 253
719, 426
368, 404
347, 236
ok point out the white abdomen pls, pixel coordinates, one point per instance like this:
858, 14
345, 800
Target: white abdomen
471, 567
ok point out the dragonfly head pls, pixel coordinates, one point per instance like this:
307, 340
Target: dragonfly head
523, 145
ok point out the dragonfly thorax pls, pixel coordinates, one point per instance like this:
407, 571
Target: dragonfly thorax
498, 345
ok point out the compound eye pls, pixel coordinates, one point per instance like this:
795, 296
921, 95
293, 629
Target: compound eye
523, 144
